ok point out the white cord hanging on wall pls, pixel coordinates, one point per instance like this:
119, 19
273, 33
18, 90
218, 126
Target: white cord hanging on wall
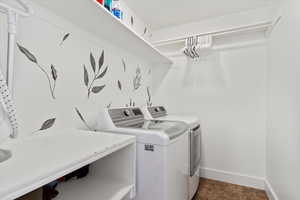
6, 92
13, 14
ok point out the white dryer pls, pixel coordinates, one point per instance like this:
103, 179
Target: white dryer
162, 152
160, 113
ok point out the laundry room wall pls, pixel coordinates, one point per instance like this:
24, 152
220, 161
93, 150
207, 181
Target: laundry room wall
230, 101
283, 139
54, 75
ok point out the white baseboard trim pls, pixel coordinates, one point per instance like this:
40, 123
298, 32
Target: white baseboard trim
270, 191
234, 178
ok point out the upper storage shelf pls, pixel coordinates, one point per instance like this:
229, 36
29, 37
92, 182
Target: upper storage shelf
93, 17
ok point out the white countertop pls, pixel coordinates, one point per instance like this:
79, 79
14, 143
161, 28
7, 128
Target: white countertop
42, 158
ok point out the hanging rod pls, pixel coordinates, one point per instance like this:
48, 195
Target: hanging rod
264, 25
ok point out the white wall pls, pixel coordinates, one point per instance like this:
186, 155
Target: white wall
232, 112
42, 34
283, 141
230, 100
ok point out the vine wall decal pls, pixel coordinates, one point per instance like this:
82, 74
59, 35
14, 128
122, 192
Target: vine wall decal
51, 78
126, 78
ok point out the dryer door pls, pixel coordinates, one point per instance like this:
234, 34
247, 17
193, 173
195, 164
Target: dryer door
195, 142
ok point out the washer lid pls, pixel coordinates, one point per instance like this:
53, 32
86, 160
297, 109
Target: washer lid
190, 120
160, 113
170, 128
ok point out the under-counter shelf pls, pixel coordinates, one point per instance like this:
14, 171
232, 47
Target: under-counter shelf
90, 188
43, 158
93, 17
110, 178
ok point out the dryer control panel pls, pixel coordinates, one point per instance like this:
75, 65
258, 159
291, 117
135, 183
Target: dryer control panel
157, 111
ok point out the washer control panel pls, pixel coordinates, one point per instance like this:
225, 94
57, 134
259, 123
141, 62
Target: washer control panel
121, 116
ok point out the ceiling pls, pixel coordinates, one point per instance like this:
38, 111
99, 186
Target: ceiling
163, 13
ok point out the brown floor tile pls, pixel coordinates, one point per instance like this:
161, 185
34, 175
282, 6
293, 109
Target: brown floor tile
215, 190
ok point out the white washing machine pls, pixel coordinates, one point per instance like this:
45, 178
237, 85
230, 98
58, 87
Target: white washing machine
162, 152
160, 113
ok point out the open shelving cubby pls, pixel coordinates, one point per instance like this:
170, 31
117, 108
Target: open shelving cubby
110, 178
93, 17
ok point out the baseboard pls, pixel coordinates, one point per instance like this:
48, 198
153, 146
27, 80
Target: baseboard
234, 178
270, 191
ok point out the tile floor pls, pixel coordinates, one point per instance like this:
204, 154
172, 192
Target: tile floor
215, 190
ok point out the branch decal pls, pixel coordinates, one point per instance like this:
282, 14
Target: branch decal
52, 78
97, 74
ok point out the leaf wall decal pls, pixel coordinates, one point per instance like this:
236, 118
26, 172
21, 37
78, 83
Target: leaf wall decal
101, 61
54, 72
102, 74
149, 95
27, 53
119, 85
82, 119
138, 70
47, 124
109, 105
145, 30
89, 81
98, 89
86, 76
124, 65
93, 62
132, 20
64, 38
79, 114
137, 79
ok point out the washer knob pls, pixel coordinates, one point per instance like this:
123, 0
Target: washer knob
127, 113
